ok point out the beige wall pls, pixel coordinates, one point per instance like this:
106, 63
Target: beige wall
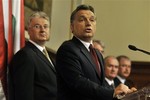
119, 23
60, 21
60, 28
123, 22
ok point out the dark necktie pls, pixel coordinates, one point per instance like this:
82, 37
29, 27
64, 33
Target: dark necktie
112, 86
95, 59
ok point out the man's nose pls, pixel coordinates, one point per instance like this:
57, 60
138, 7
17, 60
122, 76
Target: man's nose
88, 23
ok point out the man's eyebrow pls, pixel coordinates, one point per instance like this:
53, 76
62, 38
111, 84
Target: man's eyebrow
82, 16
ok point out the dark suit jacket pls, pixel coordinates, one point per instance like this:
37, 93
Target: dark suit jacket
129, 83
77, 78
31, 76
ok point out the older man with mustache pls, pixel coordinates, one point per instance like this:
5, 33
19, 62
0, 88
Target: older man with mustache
124, 71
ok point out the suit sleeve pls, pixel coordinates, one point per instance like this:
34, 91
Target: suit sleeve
69, 68
21, 74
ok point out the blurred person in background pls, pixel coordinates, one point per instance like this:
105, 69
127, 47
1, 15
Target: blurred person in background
124, 71
111, 70
99, 45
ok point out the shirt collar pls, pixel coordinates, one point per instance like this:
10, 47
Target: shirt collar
121, 79
86, 44
110, 82
38, 46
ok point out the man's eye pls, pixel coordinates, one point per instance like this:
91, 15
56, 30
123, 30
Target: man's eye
92, 20
80, 19
37, 26
45, 26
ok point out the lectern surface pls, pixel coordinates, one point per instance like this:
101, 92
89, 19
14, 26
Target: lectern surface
142, 94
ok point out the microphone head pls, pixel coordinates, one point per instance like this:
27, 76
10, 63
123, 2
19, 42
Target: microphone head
132, 47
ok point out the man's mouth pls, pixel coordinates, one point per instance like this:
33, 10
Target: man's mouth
43, 33
88, 30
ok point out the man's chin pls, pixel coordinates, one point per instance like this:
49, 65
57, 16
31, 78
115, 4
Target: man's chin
45, 39
89, 34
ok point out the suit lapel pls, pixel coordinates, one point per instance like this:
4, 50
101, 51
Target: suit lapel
117, 81
85, 53
41, 55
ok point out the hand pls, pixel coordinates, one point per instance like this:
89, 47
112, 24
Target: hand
121, 90
133, 89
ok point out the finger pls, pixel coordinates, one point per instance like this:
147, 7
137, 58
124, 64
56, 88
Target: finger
133, 89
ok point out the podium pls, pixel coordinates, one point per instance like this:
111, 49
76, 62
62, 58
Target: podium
141, 94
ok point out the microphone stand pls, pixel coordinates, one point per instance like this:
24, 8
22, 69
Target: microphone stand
144, 51
134, 48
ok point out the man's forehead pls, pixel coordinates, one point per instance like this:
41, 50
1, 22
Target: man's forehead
82, 13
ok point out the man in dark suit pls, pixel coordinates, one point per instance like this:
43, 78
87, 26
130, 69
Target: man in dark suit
79, 76
32, 75
111, 70
124, 71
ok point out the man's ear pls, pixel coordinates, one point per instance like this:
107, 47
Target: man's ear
71, 27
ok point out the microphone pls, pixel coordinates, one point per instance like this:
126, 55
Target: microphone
132, 47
